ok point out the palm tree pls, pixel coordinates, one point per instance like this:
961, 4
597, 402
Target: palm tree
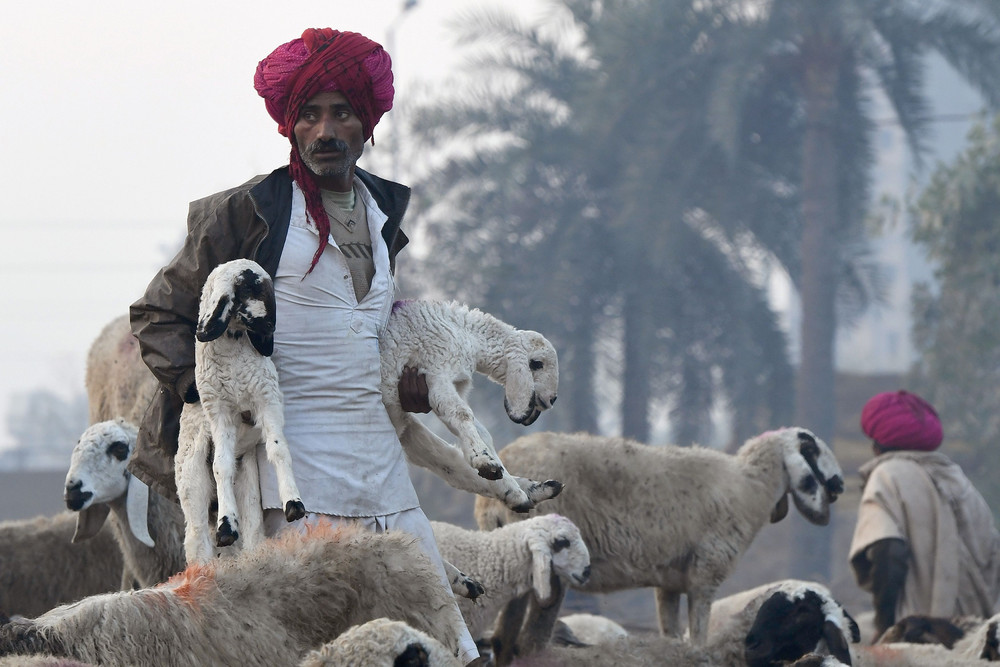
579, 195
839, 52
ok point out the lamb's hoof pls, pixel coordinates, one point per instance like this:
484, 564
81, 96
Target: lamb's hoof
226, 535
473, 588
490, 471
294, 510
555, 487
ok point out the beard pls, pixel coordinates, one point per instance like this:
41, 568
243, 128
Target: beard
339, 167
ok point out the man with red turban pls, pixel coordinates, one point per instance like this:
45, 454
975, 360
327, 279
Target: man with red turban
925, 542
328, 233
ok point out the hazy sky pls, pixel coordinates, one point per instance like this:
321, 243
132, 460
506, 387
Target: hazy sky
116, 114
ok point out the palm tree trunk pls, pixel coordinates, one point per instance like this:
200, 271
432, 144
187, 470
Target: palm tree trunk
814, 387
636, 373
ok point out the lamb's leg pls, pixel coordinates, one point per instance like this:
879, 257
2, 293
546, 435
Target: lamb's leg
224, 431
248, 498
427, 450
272, 424
507, 628
194, 490
668, 609
456, 414
540, 620
462, 584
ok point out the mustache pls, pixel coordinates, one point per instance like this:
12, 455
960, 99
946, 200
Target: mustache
322, 145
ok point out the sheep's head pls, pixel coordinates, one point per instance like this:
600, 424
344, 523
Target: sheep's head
98, 475
557, 549
793, 623
238, 296
532, 378
814, 478
382, 642
97, 470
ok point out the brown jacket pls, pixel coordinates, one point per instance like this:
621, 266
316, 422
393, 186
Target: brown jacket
249, 221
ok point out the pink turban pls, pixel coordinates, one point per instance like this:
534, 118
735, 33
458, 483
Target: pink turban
323, 60
901, 420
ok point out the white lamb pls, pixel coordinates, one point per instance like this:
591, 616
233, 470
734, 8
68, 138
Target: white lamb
673, 518
146, 525
513, 560
449, 343
268, 606
382, 643
238, 386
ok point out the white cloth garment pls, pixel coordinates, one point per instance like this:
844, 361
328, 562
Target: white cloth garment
346, 456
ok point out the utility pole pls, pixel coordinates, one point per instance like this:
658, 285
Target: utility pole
390, 46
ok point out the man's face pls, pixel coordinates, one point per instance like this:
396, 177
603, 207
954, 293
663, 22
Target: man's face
330, 139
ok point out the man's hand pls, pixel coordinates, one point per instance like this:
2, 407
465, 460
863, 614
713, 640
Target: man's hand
413, 391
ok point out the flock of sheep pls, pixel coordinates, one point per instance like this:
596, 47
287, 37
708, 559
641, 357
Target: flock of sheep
127, 577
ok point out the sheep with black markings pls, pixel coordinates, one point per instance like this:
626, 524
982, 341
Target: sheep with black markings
268, 606
147, 526
673, 518
382, 643
41, 567
511, 561
450, 343
241, 404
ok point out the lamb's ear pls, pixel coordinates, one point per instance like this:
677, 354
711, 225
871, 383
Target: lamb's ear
836, 643
541, 568
89, 521
262, 337
519, 385
137, 510
213, 326
780, 510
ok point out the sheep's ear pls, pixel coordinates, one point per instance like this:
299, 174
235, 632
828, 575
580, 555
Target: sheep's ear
89, 521
137, 510
780, 510
541, 569
519, 385
264, 342
836, 642
215, 324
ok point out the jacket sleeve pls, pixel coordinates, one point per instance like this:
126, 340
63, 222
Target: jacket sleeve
164, 318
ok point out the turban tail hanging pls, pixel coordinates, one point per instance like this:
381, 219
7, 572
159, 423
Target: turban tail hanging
324, 60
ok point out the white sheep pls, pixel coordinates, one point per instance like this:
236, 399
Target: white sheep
267, 606
673, 518
148, 526
41, 567
511, 561
382, 643
238, 386
450, 343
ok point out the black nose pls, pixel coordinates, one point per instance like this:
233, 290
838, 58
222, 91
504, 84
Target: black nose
553, 401
74, 497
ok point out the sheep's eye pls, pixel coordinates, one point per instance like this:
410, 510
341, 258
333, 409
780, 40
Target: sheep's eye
536, 365
559, 544
119, 450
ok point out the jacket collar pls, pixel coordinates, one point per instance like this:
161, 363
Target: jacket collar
272, 198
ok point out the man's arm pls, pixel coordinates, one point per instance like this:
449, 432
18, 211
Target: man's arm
889, 564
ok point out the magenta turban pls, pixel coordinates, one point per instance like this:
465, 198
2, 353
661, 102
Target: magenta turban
323, 60
901, 420
326, 60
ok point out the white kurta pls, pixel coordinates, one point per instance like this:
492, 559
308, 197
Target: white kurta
346, 457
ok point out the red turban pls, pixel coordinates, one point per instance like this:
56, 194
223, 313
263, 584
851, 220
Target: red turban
323, 60
901, 420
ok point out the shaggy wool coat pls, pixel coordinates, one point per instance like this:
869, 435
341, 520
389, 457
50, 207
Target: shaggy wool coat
249, 221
